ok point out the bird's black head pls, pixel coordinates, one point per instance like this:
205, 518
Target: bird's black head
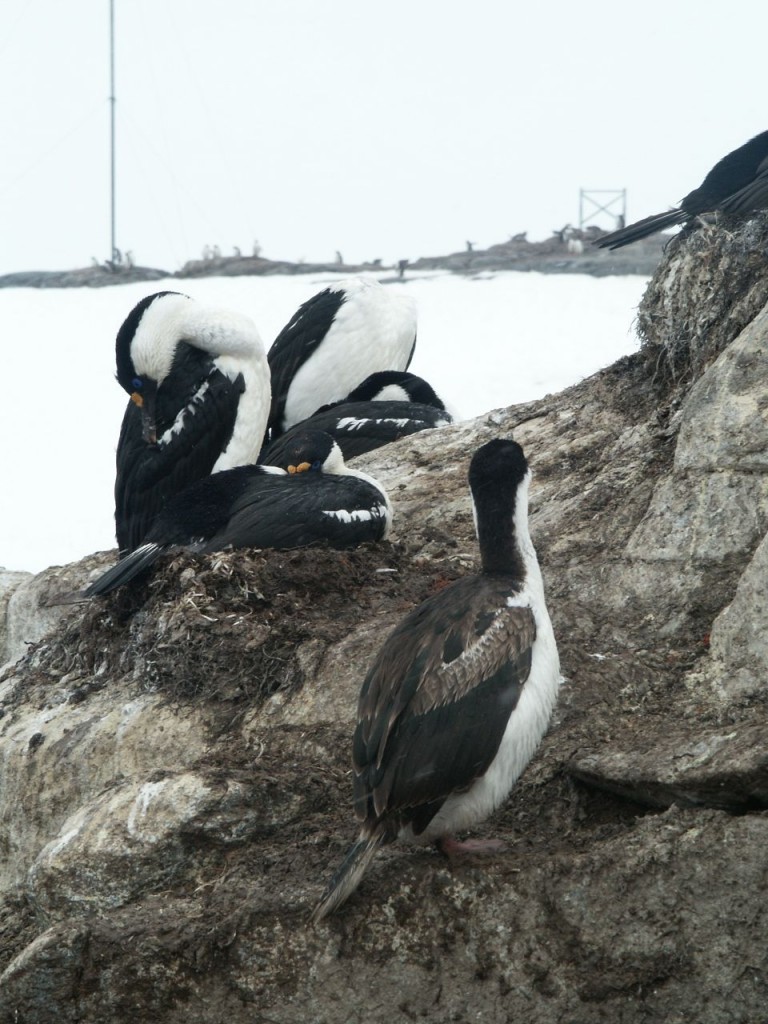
126, 371
141, 387
499, 460
302, 451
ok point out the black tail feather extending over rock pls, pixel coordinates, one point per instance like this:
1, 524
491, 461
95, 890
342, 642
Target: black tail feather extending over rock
125, 570
641, 229
348, 876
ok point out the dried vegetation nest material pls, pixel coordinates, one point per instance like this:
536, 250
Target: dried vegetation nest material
225, 626
710, 284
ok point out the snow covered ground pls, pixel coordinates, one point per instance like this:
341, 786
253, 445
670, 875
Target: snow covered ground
483, 343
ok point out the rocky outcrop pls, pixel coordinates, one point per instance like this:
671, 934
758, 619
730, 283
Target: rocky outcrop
547, 257
711, 286
553, 256
241, 266
10, 581
174, 779
97, 276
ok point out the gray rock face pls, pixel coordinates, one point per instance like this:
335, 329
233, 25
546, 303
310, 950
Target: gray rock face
738, 667
725, 426
31, 606
10, 581
174, 769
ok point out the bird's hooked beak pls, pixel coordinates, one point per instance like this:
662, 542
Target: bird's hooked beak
301, 468
145, 401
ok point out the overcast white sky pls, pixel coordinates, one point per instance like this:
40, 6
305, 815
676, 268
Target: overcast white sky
391, 130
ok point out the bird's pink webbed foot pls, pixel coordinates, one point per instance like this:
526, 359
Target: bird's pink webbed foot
451, 847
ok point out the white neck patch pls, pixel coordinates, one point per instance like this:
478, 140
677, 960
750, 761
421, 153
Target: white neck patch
392, 393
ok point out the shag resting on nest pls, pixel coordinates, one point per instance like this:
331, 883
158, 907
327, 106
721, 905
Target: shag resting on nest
737, 185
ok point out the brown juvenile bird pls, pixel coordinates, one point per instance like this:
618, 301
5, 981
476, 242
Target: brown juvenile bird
461, 693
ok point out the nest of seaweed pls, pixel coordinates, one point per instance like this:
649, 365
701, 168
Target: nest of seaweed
711, 283
225, 626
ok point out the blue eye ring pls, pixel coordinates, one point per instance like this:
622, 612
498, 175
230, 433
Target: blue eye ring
137, 383
317, 464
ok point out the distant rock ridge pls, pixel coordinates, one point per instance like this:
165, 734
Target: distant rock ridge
551, 256
85, 277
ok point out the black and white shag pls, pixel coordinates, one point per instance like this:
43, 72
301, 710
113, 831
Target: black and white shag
385, 407
333, 342
461, 693
313, 498
396, 386
200, 394
737, 185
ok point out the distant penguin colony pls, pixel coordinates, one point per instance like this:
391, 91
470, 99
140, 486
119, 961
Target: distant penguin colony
461, 693
737, 185
198, 379
225, 447
333, 342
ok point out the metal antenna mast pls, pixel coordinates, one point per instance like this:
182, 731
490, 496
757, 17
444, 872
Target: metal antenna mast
112, 100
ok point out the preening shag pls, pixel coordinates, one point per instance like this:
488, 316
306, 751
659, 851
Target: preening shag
200, 394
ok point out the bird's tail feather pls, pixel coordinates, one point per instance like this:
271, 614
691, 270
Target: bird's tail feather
641, 229
125, 570
348, 876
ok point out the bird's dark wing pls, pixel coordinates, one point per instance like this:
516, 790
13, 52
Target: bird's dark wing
753, 196
360, 427
435, 704
295, 344
308, 508
148, 474
730, 179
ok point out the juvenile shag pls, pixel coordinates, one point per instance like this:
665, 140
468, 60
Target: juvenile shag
461, 693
